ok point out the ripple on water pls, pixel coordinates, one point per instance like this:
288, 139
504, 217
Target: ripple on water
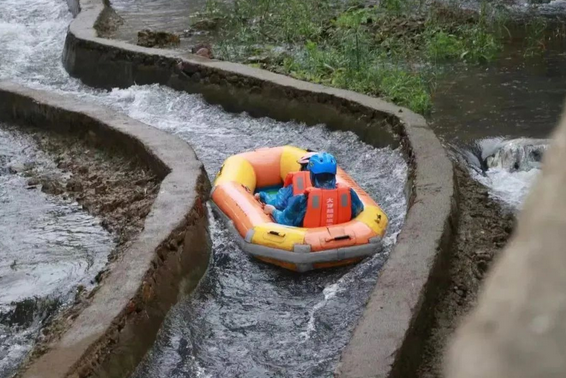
250, 318
509, 187
49, 246
507, 167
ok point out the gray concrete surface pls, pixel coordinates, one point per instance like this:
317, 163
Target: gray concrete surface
388, 340
163, 262
518, 327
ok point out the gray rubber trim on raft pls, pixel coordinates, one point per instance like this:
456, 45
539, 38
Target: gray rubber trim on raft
313, 257
302, 260
302, 248
250, 235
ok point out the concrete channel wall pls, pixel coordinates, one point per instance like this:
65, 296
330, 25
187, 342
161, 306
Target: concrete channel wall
164, 261
388, 340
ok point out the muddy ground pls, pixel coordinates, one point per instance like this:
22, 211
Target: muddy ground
115, 188
483, 230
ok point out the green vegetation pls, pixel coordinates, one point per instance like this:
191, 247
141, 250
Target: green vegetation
391, 50
536, 30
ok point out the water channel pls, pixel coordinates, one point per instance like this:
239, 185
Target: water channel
245, 316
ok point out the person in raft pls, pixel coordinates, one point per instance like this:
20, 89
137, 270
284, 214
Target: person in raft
311, 197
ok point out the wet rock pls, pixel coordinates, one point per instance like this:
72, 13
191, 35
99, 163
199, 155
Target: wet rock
206, 24
101, 189
21, 167
105, 223
192, 32
16, 168
33, 182
74, 185
51, 186
100, 276
145, 180
204, 52
108, 23
149, 38
259, 59
131, 307
139, 195
196, 77
202, 49
28, 310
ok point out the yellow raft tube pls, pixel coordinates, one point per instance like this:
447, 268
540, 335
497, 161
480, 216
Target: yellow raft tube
294, 248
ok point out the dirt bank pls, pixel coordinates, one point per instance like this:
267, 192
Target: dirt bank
483, 229
115, 188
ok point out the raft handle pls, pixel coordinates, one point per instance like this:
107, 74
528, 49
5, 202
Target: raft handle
341, 237
277, 233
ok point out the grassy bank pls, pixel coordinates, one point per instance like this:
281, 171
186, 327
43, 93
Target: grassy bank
391, 50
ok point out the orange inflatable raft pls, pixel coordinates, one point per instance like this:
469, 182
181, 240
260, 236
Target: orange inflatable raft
295, 248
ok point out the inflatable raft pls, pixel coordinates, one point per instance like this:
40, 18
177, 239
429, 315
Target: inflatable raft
294, 248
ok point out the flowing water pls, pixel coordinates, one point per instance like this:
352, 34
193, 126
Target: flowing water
505, 109
48, 247
246, 318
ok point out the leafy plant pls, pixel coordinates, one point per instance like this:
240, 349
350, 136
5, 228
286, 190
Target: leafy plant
442, 46
535, 36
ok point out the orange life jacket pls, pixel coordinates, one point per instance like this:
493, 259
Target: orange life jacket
326, 207
301, 181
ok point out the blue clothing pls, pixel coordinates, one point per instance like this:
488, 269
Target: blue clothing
294, 213
278, 200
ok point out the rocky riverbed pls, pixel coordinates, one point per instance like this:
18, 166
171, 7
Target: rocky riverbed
81, 207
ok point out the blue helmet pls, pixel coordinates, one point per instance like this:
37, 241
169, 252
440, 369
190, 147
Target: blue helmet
323, 170
322, 162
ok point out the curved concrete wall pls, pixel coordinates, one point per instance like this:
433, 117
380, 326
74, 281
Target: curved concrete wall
163, 262
388, 339
518, 328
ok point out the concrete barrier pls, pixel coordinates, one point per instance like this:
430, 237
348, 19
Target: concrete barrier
518, 328
388, 339
164, 261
